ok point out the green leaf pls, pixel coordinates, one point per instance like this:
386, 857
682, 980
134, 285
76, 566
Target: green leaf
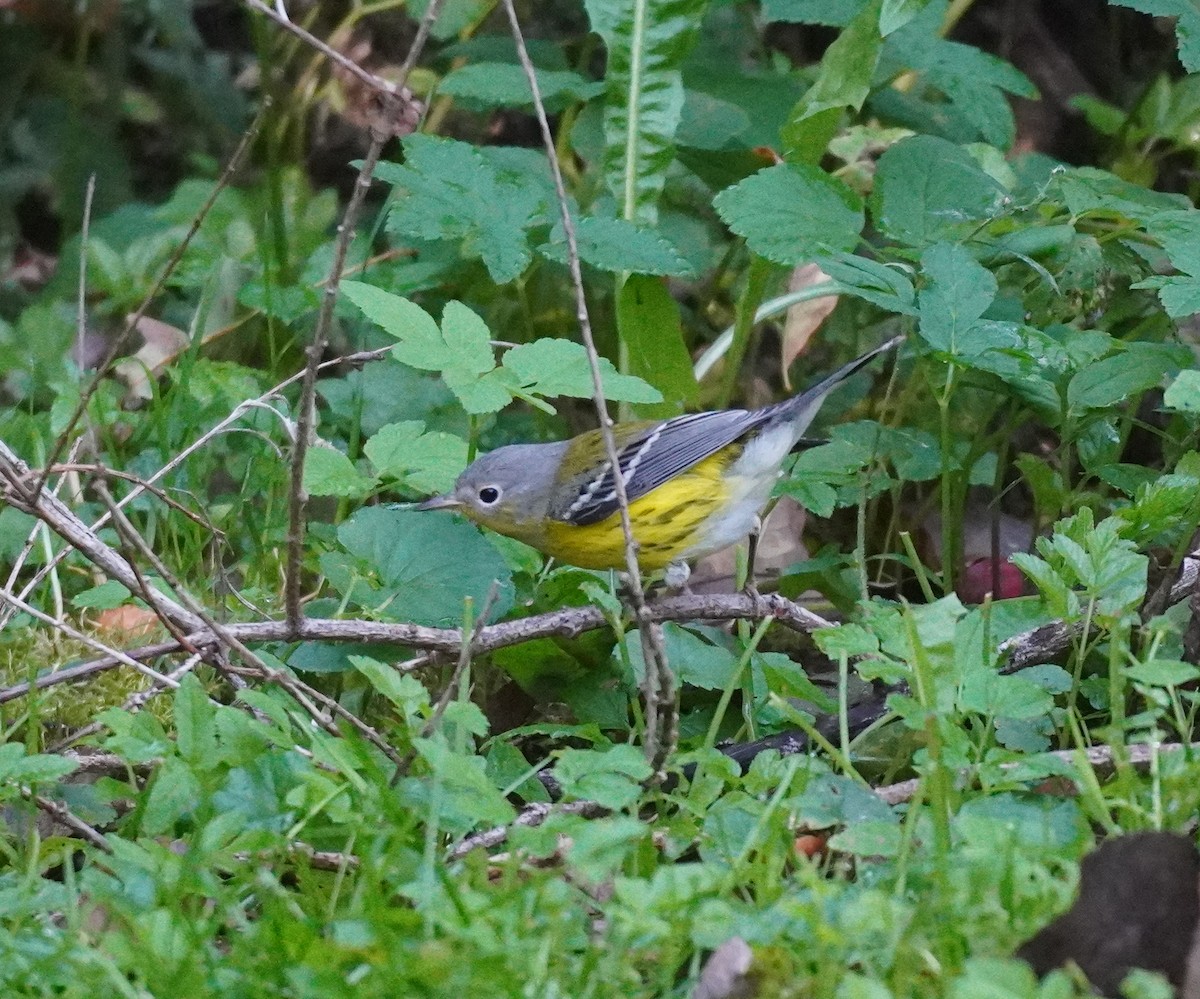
173, 796
422, 565
552, 368
650, 328
194, 722
880, 284
450, 190
474, 801
1187, 25
1163, 673
958, 291
927, 189
460, 349
897, 13
328, 472
843, 81
1135, 369
961, 92
106, 596
609, 777
404, 691
1183, 394
792, 212
1090, 191
647, 42
615, 245
489, 84
424, 462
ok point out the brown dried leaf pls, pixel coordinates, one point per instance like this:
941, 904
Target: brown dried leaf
804, 318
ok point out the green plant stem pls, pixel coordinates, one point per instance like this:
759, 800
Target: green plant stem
951, 515
734, 681
756, 286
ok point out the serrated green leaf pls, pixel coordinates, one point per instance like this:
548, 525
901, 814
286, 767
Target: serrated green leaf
426, 462
422, 565
617, 246
328, 472
649, 325
421, 344
647, 43
449, 190
888, 287
843, 81
957, 292
897, 13
792, 212
1114, 379
927, 189
1183, 393
1163, 673
194, 722
492, 84
609, 777
550, 368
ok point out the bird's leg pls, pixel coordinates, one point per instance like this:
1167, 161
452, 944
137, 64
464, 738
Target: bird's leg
676, 576
750, 588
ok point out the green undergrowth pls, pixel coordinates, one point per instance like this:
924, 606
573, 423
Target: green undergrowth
1037, 429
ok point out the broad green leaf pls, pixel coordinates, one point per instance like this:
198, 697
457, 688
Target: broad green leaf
425, 462
1163, 673
552, 368
928, 189
1183, 394
450, 190
843, 81
421, 566
649, 326
194, 722
897, 13
792, 212
488, 84
887, 287
472, 800
1138, 367
328, 472
173, 795
1090, 191
647, 42
957, 292
106, 596
616, 246
609, 777
460, 349
1187, 25
421, 343
974, 85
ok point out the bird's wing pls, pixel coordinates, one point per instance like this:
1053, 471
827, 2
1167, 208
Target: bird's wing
652, 457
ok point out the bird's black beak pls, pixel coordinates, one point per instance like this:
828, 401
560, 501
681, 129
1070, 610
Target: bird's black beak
444, 502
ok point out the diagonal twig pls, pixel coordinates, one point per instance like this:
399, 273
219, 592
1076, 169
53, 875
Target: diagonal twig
658, 688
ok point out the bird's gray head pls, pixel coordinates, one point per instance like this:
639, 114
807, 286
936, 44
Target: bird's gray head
508, 490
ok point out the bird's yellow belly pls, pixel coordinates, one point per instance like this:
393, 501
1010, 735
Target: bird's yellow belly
667, 522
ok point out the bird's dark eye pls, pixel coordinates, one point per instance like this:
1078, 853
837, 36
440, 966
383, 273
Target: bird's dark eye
489, 495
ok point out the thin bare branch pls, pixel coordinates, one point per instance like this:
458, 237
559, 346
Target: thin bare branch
531, 815
658, 687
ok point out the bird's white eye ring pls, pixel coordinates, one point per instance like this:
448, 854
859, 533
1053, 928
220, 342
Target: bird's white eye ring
489, 495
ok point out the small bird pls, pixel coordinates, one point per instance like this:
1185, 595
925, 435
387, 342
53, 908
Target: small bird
695, 484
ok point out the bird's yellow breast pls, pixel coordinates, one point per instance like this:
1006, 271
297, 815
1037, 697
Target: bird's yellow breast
666, 521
